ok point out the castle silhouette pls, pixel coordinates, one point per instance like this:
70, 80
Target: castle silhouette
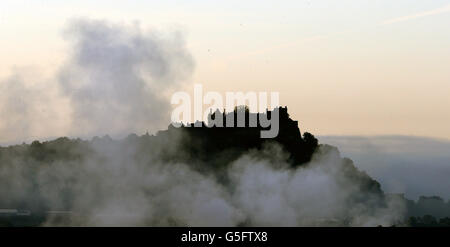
208, 138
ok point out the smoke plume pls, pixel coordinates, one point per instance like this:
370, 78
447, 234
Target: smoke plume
116, 80
117, 76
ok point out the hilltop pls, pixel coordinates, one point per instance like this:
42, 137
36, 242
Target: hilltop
68, 175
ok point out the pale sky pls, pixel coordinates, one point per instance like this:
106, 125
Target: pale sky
349, 67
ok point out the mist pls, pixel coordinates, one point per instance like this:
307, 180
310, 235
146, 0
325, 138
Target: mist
416, 166
116, 79
117, 76
132, 183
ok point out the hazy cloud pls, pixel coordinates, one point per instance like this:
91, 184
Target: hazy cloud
116, 80
30, 107
444, 9
415, 166
117, 76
